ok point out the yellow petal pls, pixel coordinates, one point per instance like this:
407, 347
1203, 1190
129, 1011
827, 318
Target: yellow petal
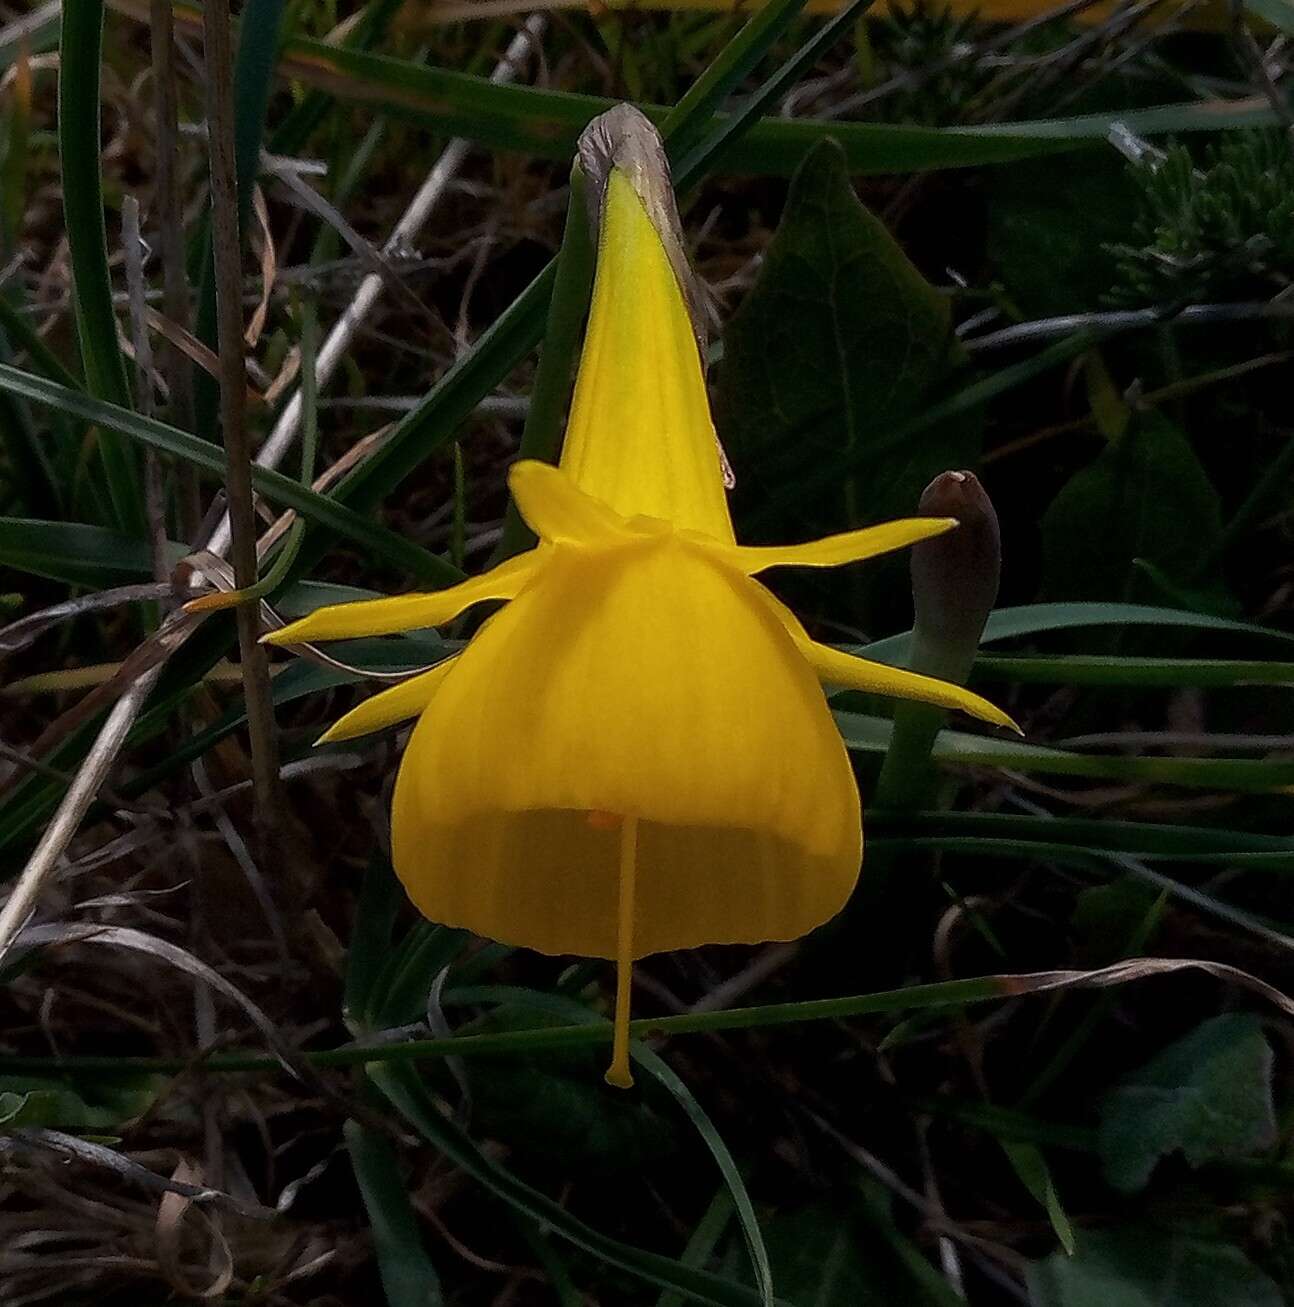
831, 551
849, 673
407, 612
557, 510
651, 683
398, 704
640, 436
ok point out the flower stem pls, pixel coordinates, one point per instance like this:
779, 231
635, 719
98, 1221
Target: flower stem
618, 1073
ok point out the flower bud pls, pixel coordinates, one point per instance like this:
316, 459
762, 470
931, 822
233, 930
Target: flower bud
954, 577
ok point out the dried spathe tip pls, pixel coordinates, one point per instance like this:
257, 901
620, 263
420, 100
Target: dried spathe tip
955, 576
625, 139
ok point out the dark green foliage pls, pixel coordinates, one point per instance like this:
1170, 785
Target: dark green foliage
1131, 503
1050, 224
1150, 1267
1214, 229
851, 1254
839, 342
1209, 1096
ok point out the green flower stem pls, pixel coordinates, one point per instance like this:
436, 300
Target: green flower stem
954, 586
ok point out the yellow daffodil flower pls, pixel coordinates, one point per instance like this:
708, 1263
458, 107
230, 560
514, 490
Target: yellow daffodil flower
634, 754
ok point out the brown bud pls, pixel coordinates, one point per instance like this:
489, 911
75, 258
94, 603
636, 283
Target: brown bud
955, 576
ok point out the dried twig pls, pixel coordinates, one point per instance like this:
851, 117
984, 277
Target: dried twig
170, 236
238, 473
402, 236
76, 803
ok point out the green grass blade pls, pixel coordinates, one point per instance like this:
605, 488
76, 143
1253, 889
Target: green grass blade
684, 125
408, 1277
320, 509
73, 553
736, 125
864, 734
78, 136
546, 123
1142, 673
1141, 839
1038, 619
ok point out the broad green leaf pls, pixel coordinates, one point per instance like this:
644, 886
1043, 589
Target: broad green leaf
1050, 221
408, 1277
1144, 497
63, 1105
1150, 1267
1209, 1096
840, 341
1105, 917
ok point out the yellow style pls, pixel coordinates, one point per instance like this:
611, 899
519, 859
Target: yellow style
635, 753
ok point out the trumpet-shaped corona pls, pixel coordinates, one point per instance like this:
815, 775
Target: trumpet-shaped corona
635, 753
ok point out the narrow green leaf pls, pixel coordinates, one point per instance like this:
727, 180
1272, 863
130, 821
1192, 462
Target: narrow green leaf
1037, 619
684, 125
408, 1277
1142, 839
872, 735
572, 1011
402, 1085
546, 123
1029, 1164
380, 897
74, 553
78, 130
322, 509
1127, 671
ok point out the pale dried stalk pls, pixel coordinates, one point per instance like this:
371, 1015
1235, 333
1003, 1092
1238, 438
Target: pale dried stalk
405, 232
218, 55
76, 802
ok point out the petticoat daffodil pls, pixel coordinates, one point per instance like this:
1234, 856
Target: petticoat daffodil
635, 753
